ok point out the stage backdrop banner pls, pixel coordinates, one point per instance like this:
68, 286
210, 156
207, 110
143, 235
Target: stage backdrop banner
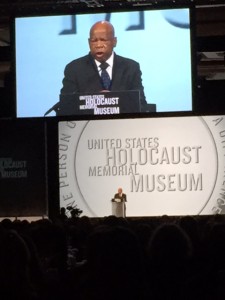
172, 165
22, 168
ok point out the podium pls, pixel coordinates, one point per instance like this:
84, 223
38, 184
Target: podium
118, 209
113, 102
102, 103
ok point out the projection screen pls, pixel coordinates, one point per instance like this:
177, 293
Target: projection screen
170, 165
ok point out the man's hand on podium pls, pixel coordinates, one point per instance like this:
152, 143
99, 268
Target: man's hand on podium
118, 200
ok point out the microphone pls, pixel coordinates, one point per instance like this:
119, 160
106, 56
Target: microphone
55, 107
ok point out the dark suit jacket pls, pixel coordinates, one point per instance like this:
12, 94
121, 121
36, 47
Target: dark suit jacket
81, 76
123, 197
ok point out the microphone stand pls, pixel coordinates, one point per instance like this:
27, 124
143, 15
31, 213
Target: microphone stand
55, 107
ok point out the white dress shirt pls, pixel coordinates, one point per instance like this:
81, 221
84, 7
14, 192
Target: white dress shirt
109, 68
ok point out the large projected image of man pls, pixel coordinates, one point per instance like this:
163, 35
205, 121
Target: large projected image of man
159, 41
102, 69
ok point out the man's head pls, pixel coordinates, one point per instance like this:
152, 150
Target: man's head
102, 40
120, 190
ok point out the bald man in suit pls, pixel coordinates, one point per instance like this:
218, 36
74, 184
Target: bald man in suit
122, 197
83, 75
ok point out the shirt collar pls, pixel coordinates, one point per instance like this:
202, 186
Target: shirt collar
109, 61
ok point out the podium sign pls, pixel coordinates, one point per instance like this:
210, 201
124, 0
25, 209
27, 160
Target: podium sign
103, 103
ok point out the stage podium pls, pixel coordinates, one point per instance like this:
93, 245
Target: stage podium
118, 208
102, 103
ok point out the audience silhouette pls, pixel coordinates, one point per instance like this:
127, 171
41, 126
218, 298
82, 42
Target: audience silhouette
111, 258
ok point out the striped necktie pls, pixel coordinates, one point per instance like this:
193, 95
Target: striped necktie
106, 81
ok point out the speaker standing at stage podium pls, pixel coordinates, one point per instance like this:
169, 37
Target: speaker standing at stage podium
83, 75
122, 197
